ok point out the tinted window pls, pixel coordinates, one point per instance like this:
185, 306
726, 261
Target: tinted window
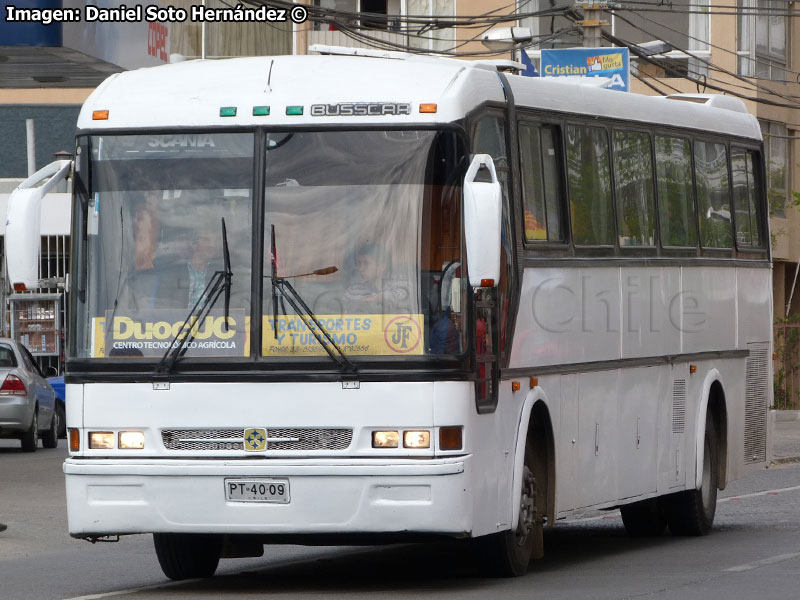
540, 190
674, 183
633, 176
7, 358
589, 176
745, 202
713, 195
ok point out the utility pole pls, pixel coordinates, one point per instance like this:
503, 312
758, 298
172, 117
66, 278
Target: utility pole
592, 22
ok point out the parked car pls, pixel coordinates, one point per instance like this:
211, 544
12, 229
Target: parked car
27, 402
61, 403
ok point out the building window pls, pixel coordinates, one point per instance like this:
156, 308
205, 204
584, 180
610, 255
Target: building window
761, 44
379, 12
431, 39
776, 145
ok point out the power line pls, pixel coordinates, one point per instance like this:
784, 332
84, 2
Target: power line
757, 86
716, 47
706, 84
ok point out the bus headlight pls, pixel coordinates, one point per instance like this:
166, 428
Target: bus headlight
385, 439
101, 440
416, 439
131, 440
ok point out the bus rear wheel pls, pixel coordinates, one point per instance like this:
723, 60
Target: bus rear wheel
692, 512
188, 555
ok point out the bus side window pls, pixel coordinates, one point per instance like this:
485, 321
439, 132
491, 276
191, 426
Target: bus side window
713, 195
540, 186
748, 217
674, 184
633, 179
589, 177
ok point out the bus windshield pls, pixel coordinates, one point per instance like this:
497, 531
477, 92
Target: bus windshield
365, 227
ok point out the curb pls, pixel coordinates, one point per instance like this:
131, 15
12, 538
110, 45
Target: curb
786, 460
782, 416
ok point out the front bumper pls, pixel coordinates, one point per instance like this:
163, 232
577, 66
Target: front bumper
328, 496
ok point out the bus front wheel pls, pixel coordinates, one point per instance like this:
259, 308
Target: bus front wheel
644, 518
508, 553
188, 555
692, 512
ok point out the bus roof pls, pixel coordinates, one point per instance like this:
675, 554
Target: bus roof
388, 89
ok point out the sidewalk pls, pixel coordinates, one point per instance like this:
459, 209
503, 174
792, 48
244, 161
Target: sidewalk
786, 437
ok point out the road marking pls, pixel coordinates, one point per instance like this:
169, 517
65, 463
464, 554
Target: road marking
133, 590
615, 515
764, 493
764, 562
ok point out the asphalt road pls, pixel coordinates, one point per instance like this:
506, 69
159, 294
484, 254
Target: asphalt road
753, 552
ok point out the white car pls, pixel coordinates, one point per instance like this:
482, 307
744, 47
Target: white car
27, 402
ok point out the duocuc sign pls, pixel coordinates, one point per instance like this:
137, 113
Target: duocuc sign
613, 63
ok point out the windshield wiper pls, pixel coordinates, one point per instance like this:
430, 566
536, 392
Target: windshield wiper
220, 282
302, 309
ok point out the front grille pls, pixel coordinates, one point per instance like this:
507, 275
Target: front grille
277, 439
203, 439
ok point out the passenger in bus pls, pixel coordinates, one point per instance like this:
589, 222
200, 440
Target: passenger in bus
372, 290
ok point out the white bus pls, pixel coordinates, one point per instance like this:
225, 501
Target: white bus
367, 299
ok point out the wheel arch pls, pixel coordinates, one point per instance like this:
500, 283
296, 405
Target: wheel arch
535, 421
712, 402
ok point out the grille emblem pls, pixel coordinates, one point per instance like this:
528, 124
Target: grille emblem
255, 439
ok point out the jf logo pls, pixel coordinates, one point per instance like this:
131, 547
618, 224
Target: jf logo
402, 334
255, 439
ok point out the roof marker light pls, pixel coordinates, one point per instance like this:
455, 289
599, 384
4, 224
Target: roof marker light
227, 111
427, 108
100, 115
261, 111
294, 110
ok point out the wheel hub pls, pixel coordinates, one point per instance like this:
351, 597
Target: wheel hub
527, 507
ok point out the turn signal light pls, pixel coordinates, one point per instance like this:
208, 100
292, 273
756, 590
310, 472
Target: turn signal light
74, 439
13, 386
487, 283
100, 115
19, 287
385, 439
451, 438
427, 108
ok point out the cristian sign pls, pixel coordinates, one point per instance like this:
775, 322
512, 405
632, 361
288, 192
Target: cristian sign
613, 63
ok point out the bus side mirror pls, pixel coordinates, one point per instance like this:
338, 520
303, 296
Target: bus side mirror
23, 225
482, 223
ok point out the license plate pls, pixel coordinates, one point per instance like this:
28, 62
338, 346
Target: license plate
257, 490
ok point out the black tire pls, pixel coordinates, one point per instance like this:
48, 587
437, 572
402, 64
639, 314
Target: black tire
508, 553
645, 518
692, 512
30, 438
50, 437
188, 555
62, 419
